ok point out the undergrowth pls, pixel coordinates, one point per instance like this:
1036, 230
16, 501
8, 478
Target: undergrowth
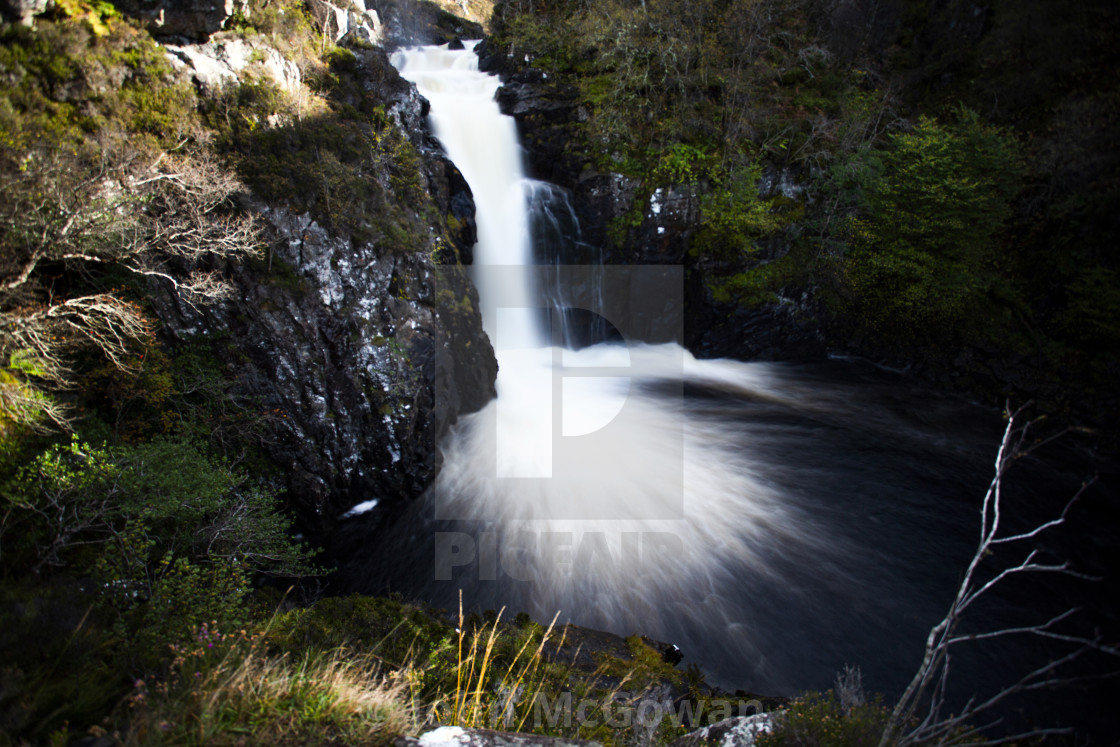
364, 670
225, 689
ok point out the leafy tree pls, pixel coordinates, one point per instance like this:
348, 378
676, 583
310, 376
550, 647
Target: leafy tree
734, 215
921, 255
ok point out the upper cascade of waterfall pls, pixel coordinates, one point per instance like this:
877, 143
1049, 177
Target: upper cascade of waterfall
483, 144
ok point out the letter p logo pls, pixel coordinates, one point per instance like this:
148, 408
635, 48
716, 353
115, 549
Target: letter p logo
564, 416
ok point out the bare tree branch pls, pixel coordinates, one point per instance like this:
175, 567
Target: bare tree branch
170, 220
928, 689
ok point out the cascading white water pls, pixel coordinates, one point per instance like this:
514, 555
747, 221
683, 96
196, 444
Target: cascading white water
627, 531
483, 145
778, 522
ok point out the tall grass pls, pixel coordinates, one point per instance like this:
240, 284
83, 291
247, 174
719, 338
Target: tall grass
227, 691
484, 694
264, 688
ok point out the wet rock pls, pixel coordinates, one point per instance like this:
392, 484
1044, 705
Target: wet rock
353, 351
786, 330
670, 216
543, 110
671, 654
599, 198
415, 22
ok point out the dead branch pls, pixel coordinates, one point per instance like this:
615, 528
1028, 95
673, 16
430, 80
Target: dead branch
926, 692
171, 221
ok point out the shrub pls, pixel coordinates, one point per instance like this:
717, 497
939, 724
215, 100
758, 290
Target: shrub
181, 501
170, 535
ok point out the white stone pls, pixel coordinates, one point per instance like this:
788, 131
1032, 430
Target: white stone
219, 62
741, 731
443, 735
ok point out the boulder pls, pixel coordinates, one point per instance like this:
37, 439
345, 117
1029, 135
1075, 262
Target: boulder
414, 22
350, 20
739, 731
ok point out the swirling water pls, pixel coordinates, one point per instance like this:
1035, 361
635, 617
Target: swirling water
777, 521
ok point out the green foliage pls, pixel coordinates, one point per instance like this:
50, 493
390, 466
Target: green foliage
733, 216
923, 254
98, 14
183, 502
706, 94
169, 535
350, 167
23, 406
711, 74
758, 285
157, 602
287, 26
818, 720
64, 83
329, 149
681, 163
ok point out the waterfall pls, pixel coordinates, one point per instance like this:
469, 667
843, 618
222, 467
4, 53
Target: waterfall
601, 496
777, 521
482, 143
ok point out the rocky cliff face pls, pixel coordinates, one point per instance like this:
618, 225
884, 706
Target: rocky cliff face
355, 353
364, 353
395, 22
